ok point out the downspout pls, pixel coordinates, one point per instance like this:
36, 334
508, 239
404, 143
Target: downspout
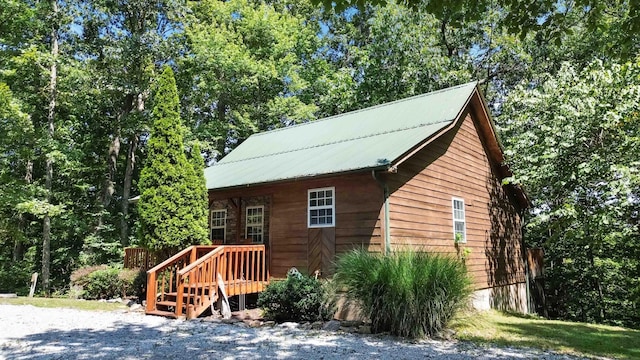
385, 190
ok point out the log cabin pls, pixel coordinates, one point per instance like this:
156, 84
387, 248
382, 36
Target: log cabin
423, 173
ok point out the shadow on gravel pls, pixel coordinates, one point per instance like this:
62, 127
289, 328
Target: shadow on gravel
204, 340
188, 341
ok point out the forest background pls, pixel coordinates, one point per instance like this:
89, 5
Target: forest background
562, 80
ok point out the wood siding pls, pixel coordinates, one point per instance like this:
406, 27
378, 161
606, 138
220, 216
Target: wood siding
235, 231
456, 165
358, 204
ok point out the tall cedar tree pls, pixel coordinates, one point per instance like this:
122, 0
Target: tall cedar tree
197, 196
172, 215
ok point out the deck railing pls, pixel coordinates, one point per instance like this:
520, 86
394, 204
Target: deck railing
188, 280
135, 257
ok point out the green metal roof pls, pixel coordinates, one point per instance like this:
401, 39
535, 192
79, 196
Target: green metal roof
366, 139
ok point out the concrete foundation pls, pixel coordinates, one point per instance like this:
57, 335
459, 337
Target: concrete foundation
507, 298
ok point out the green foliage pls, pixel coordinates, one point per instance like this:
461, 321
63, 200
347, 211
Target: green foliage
550, 18
15, 277
297, 298
403, 55
105, 282
409, 294
573, 142
246, 69
171, 215
197, 197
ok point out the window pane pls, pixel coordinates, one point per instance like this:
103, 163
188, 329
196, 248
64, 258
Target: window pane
320, 207
217, 234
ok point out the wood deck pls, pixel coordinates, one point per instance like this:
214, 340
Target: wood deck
186, 284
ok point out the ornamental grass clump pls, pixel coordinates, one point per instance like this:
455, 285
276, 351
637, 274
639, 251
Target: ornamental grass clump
409, 294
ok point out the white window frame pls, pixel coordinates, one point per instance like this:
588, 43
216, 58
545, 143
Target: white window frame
217, 226
331, 207
261, 225
459, 220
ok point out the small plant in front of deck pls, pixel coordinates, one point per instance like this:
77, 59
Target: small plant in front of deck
410, 294
297, 298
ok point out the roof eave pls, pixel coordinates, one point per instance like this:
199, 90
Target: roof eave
386, 167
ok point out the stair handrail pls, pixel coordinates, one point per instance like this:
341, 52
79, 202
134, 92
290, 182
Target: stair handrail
193, 273
191, 266
152, 286
170, 260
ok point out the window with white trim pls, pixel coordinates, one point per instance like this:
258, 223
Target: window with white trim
218, 224
459, 223
321, 207
255, 223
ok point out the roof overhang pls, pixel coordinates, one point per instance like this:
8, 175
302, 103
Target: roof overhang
385, 168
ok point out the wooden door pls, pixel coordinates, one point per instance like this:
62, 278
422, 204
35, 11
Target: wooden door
321, 250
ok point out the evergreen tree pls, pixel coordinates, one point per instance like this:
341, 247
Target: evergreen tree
166, 202
197, 196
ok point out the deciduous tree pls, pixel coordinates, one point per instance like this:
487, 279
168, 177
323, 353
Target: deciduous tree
572, 141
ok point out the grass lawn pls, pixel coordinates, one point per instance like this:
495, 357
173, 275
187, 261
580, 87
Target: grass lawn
562, 336
63, 303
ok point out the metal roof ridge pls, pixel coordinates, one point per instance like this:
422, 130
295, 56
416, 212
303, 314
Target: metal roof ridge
368, 108
331, 143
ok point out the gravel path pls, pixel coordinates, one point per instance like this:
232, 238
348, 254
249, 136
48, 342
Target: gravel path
28, 332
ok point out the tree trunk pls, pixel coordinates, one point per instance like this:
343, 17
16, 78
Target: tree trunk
53, 80
126, 189
598, 286
112, 164
18, 247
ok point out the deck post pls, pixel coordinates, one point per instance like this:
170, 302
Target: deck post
152, 287
179, 295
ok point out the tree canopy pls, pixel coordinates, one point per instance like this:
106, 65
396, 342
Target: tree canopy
573, 143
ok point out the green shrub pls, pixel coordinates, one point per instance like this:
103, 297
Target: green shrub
408, 294
15, 277
134, 283
104, 282
298, 298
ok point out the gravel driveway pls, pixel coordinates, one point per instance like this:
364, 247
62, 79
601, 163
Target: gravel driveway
28, 332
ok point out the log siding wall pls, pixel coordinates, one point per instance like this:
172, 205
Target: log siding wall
456, 165
358, 207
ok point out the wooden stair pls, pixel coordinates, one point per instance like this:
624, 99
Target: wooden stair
186, 285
